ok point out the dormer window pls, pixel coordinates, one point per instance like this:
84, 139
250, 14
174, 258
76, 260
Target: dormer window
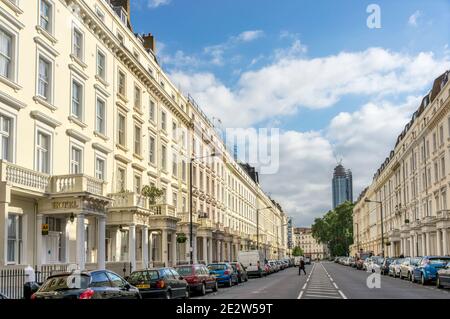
120, 11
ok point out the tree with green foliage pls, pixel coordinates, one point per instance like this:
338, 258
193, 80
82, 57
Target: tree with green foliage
335, 229
152, 193
297, 251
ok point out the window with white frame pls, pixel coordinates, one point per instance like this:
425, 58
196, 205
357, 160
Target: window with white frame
137, 140
137, 97
163, 120
101, 65
122, 83
164, 157
151, 149
183, 170
121, 129
77, 99
76, 160
174, 165
44, 78
6, 133
100, 168
100, 116
174, 130
6, 54
43, 150
46, 15
77, 45
151, 110
100, 14
121, 179
137, 183
175, 200
14, 245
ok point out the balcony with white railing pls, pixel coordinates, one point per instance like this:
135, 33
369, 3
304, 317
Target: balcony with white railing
163, 210
123, 200
206, 223
77, 184
186, 218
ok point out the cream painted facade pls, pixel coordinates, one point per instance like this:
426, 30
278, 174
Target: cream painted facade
87, 117
304, 239
413, 186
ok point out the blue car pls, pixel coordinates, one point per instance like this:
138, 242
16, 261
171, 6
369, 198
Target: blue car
428, 267
224, 274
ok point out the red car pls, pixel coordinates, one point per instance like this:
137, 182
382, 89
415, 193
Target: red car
198, 278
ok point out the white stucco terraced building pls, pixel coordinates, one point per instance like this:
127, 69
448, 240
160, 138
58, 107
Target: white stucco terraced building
87, 118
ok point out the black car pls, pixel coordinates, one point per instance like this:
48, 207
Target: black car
160, 283
384, 269
443, 277
98, 284
241, 272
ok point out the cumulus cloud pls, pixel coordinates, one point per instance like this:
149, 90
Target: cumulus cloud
157, 3
293, 82
413, 19
248, 36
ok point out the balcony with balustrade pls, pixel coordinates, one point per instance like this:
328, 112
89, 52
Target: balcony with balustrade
128, 200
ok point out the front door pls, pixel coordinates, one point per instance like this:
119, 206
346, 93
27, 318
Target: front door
53, 241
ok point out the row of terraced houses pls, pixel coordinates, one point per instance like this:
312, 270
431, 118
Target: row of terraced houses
87, 119
409, 194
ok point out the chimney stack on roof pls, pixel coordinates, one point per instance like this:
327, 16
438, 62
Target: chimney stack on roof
149, 42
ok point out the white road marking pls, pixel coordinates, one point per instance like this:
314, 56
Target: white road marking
342, 294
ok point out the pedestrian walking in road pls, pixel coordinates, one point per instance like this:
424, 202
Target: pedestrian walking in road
301, 267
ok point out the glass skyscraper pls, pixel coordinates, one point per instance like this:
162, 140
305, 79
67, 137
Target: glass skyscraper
342, 185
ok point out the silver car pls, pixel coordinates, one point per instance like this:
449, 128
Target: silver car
394, 267
407, 267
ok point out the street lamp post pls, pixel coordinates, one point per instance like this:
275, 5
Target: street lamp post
357, 237
191, 250
382, 227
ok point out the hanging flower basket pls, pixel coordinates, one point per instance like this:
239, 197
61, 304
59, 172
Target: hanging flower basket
388, 243
181, 238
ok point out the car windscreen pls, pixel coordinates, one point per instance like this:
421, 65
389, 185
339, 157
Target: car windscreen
143, 276
439, 260
66, 282
184, 271
414, 261
217, 267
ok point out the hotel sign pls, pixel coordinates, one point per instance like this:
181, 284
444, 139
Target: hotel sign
65, 204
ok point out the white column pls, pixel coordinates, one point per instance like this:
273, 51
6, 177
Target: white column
150, 249
411, 246
81, 253
423, 245
416, 253
210, 252
101, 255
174, 248
38, 239
218, 250
230, 257
427, 243
67, 228
205, 249
145, 246
132, 246
444, 242
194, 249
164, 252
187, 249
438, 242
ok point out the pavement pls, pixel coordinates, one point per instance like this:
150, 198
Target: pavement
328, 280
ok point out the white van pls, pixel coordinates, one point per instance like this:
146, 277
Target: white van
253, 261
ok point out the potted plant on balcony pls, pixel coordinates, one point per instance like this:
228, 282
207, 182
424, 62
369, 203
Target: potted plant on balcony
152, 193
181, 238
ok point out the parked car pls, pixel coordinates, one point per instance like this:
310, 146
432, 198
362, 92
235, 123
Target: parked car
198, 278
253, 261
394, 267
241, 272
3, 296
385, 266
224, 273
443, 277
374, 264
360, 263
97, 284
428, 267
274, 265
160, 283
267, 269
407, 267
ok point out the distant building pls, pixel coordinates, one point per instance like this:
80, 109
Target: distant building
342, 185
304, 239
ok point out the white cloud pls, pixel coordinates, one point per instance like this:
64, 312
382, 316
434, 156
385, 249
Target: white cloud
413, 19
248, 36
157, 3
293, 82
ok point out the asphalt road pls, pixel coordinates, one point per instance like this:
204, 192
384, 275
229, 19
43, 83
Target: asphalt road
327, 280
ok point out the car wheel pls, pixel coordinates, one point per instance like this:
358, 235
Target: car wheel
413, 278
203, 290
215, 287
373, 270
410, 277
400, 275
438, 282
422, 280
168, 294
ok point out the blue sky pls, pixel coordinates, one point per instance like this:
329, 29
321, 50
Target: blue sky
312, 68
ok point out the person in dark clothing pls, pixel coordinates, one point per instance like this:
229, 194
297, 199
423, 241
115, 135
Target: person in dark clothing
301, 267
